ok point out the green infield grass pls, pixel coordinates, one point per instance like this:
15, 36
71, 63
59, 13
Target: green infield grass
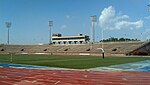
74, 62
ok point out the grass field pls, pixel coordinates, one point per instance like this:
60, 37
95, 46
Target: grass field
74, 62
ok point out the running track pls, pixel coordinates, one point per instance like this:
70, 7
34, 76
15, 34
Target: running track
19, 76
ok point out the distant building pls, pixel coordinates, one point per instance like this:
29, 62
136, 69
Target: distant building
59, 39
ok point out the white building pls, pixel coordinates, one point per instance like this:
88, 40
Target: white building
59, 39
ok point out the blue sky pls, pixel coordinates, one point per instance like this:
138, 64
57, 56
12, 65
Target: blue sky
29, 18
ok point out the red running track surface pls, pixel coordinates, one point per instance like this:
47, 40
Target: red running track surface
15, 76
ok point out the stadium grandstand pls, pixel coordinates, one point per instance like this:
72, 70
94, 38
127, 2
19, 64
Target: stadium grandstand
111, 49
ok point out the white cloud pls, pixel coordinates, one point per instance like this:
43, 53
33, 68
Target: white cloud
63, 26
68, 17
109, 19
147, 31
148, 17
130, 25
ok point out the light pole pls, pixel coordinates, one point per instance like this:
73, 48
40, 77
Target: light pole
148, 8
102, 38
93, 20
8, 25
125, 38
50, 24
141, 36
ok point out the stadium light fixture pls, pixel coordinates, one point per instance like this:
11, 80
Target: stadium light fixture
50, 24
8, 25
93, 20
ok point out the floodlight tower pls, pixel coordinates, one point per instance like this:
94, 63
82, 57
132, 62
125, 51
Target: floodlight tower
8, 25
50, 24
93, 20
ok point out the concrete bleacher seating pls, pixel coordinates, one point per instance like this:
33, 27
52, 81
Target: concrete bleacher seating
109, 47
